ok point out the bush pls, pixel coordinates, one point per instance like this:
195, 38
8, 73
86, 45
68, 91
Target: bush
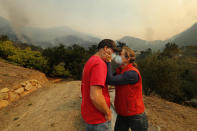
56, 61
7, 49
162, 76
74, 59
29, 59
26, 58
60, 71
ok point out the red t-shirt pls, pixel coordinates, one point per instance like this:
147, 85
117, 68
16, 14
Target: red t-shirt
94, 73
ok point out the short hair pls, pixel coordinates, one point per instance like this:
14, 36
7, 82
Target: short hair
106, 42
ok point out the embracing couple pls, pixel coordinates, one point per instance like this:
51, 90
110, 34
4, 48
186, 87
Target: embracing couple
97, 75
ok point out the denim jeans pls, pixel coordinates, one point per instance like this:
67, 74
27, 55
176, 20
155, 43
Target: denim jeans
99, 127
135, 123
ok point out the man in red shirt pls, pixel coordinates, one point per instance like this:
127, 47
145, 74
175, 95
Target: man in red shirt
95, 107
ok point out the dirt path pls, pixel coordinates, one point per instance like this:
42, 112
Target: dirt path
54, 108
57, 108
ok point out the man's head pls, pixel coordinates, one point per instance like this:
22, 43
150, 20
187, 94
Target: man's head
107, 43
106, 47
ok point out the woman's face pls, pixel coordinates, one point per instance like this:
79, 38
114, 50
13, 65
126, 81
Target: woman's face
124, 59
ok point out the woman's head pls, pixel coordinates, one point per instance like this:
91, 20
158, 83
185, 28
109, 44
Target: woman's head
128, 56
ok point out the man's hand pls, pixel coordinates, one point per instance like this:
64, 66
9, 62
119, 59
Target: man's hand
108, 116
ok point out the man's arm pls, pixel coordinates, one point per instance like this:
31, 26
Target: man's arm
99, 102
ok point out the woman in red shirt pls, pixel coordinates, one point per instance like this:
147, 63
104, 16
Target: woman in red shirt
128, 102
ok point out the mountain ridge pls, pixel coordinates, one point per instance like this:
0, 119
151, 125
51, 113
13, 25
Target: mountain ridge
47, 37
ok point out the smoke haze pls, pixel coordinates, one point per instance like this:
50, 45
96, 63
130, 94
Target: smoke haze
145, 19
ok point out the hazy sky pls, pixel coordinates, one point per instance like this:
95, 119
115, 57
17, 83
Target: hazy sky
145, 19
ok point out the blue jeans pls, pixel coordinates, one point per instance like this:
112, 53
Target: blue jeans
135, 123
99, 127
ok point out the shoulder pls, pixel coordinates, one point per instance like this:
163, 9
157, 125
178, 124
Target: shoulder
96, 61
134, 69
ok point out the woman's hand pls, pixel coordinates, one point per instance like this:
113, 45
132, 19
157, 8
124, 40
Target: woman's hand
108, 57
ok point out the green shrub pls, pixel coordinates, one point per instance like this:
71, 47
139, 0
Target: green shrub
7, 49
29, 59
60, 71
162, 76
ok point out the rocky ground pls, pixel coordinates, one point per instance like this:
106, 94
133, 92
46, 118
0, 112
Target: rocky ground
170, 116
54, 108
11, 75
16, 82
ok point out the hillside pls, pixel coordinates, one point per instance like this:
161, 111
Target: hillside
185, 38
16, 82
46, 37
135, 43
170, 116
6, 29
57, 35
11, 75
189, 54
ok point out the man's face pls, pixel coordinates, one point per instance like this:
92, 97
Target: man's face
108, 50
107, 53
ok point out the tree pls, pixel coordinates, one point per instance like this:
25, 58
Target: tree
92, 49
171, 50
4, 38
7, 49
54, 56
144, 54
121, 44
162, 76
74, 60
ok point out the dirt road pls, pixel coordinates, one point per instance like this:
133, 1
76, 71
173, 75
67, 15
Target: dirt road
57, 108
54, 108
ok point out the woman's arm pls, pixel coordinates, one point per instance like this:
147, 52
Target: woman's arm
129, 77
